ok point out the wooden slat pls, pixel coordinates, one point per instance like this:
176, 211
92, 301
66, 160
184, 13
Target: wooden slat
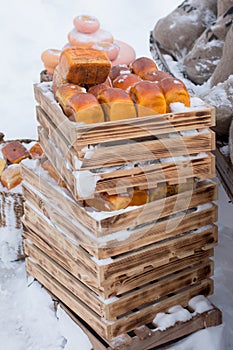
114, 244
125, 303
109, 330
105, 277
122, 129
225, 172
120, 180
43, 183
130, 151
43, 186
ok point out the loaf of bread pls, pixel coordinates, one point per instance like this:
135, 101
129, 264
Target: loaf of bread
106, 202
64, 92
84, 108
174, 91
96, 89
118, 70
126, 81
84, 66
15, 152
36, 151
156, 75
148, 98
2, 165
140, 197
116, 104
142, 66
11, 176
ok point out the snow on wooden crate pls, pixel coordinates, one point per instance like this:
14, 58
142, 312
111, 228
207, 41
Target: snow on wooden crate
108, 234
109, 155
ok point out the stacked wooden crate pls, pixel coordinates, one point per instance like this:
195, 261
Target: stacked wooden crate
117, 270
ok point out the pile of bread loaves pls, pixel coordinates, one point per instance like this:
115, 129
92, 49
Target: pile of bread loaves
11, 155
199, 34
89, 90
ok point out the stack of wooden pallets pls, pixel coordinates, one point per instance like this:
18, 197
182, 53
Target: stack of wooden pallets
117, 270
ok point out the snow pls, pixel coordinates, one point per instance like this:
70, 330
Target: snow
85, 183
28, 320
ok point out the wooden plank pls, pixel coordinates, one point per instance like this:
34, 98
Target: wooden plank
119, 181
122, 129
111, 277
67, 297
206, 191
71, 228
109, 330
130, 151
125, 283
44, 184
73, 260
65, 278
120, 242
125, 303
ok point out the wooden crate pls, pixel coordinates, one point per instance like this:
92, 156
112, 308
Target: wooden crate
95, 269
111, 153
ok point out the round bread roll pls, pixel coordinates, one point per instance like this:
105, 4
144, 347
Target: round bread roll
126, 81
87, 40
118, 70
116, 104
86, 24
149, 98
97, 89
142, 66
174, 91
156, 75
111, 49
84, 108
126, 54
64, 92
50, 58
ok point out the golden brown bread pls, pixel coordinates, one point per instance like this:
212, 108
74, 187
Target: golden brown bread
118, 70
84, 108
156, 75
11, 176
140, 197
64, 92
149, 98
96, 89
126, 81
174, 91
117, 104
143, 65
14, 152
2, 165
106, 202
84, 66
36, 151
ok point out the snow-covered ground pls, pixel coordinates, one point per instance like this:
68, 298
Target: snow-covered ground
28, 320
